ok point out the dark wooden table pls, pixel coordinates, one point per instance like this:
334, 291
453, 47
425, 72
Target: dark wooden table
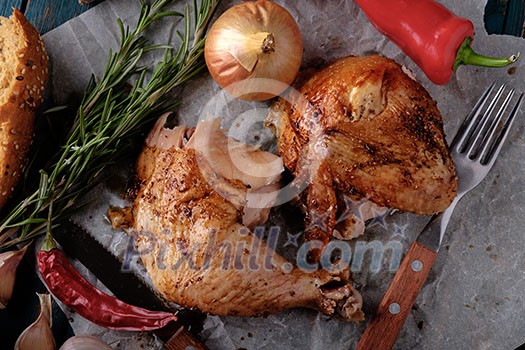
45, 14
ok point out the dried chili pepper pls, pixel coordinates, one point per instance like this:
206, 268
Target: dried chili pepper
436, 39
66, 284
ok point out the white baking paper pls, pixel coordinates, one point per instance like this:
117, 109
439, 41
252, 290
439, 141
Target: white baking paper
474, 296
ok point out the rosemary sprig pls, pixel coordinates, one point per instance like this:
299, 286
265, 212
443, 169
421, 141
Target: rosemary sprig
111, 113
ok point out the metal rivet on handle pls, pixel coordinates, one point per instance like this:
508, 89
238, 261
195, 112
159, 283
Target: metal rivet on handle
394, 308
416, 265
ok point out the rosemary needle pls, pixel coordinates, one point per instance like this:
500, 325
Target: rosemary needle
109, 114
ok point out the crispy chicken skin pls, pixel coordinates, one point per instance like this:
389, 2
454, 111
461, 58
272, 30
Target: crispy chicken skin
363, 128
188, 218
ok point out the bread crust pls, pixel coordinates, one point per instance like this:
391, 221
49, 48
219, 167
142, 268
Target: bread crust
24, 97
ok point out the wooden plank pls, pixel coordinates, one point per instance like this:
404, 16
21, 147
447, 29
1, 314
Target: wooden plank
6, 7
514, 18
494, 16
48, 14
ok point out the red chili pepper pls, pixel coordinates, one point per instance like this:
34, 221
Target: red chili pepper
66, 284
436, 39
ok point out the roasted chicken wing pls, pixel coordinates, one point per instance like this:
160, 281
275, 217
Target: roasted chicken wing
363, 129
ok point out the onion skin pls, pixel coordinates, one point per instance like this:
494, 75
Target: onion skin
233, 46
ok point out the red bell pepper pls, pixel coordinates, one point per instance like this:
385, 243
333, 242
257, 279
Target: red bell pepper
436, 39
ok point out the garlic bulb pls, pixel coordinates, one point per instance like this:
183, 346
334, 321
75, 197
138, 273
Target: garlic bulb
255, 42
8, 264
84, 342
38, 335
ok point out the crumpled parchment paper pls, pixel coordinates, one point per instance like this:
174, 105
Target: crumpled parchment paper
474, 296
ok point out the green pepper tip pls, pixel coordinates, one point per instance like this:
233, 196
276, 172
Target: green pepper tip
467, 56
514, 58
48, 243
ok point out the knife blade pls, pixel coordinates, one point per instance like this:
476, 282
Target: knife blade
127, 286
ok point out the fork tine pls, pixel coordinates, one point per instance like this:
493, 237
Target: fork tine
486, 130
491, 130
466, 127
492, 148
479, 126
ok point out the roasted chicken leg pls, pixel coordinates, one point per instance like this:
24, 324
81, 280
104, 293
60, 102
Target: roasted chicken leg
362, 129
188, 217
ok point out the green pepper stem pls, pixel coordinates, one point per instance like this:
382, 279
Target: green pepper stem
48, 243
466, 55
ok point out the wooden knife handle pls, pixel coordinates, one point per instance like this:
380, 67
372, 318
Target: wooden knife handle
183, 340
397, 302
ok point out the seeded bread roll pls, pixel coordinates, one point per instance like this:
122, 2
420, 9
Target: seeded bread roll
23, 73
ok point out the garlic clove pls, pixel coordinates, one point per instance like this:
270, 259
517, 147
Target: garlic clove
38, 335
8, 264
84, 342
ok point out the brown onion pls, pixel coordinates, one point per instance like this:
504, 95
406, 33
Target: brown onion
253, 40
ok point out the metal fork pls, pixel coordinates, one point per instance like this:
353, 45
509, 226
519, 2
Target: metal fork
474, 150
